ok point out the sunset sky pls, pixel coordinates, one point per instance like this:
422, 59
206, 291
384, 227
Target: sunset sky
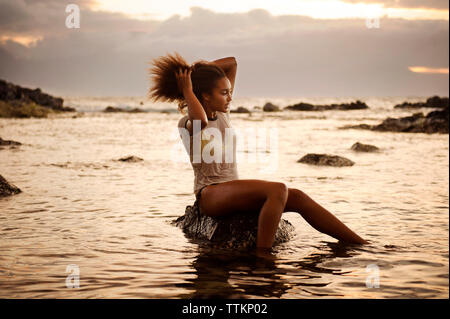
289, 48
321, 9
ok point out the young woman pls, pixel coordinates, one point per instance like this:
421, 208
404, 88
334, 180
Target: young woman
206, 89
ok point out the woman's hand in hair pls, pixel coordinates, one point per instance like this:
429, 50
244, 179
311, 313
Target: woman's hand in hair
184, 80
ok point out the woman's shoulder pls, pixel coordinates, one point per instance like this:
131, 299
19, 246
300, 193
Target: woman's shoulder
182, 121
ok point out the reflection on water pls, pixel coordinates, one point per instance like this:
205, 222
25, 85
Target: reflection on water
220, 274
243, 274
80, 206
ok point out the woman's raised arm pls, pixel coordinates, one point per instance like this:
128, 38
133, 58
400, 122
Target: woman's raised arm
229, 66
195, 109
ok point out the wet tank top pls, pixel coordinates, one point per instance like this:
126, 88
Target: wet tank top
214, 160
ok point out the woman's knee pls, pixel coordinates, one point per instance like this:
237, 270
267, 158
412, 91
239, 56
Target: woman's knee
279, 191
295, 192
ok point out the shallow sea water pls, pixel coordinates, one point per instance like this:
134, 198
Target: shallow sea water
82, 209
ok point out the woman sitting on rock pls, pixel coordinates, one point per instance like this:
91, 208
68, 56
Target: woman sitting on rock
205, 88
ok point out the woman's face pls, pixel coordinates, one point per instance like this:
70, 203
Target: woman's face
220, 97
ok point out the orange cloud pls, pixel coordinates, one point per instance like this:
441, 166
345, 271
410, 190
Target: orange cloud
27, 41
424, 69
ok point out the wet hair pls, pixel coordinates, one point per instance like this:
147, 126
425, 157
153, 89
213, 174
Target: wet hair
204, 78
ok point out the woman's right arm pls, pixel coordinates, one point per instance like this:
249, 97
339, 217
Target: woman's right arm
195, 109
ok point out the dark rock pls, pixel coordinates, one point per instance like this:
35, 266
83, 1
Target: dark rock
433, 122
235, 230
78, 115
403, 124
301, 107
358, 105
240, 109
325, 159
67, 109
130, 159
10, 92
359, 126
7, 189
437, 102
8, 143
136, 110
406, 105
269, 107
359, 147
438, 115
433, 102
111, 109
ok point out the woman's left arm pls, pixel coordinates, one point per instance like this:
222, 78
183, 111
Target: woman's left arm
229, 67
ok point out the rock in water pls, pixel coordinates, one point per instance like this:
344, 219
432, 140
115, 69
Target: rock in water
13, 144
433, 122
434, 102
325, 159
240, 109
7, 189
130, 159
358, 105
236, 230
359, 147
269, 107
112, 109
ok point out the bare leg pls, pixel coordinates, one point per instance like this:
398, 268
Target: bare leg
320, 218
269, 218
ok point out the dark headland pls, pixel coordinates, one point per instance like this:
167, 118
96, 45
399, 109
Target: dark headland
21, 102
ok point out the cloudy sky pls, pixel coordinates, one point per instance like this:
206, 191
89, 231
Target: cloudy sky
290, 48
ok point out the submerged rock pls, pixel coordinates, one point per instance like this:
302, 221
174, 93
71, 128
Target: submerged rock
130, 159
433, 122
359, 147
325, 160
112, 109
235, 230
358, 105
7, 189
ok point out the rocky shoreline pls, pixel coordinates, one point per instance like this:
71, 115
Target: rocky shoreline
20, 102
433, 122
432, 102
269, 107
358, 105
